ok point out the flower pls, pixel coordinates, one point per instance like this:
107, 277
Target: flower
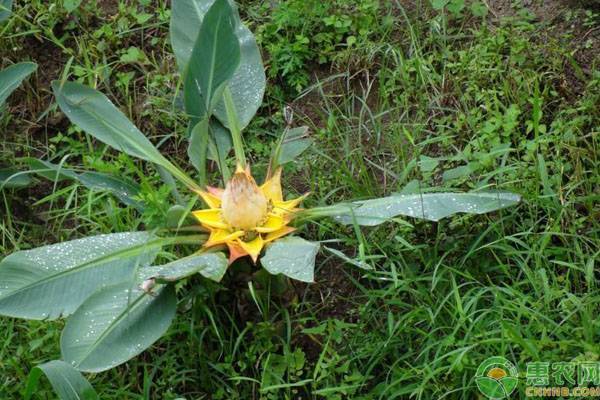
496, 373
244, 216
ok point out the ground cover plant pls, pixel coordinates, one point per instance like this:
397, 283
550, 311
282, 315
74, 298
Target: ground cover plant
431, 97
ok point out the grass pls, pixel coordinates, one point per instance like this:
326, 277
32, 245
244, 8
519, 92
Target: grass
427, 98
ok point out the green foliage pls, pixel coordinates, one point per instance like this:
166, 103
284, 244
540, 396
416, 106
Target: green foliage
68, 383
115, 324
293, 257
11, 78
450, 100
5, 9
52, 281
302, 34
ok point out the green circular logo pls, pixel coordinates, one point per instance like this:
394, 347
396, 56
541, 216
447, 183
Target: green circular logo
496, 378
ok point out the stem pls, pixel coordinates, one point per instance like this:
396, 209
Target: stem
179, 174
188, 239
325, 211
234, 128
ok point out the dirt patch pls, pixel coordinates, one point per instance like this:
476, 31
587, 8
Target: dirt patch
108, 7
569, 22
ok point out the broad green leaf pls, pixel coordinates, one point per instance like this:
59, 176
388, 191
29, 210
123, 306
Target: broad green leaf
215, 57
48, 170
11, 178
11, 78
116, 324
248, 82
52, 281
67, 382
220, 146
124, 190
293, 257
211, 265
5, 9
198, 148
429, 206
176, 215
294, 142
95, 114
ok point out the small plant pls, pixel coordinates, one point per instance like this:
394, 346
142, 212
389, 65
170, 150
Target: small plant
325, 28
118, 299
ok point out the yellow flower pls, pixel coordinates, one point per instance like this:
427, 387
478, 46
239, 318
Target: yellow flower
245, 216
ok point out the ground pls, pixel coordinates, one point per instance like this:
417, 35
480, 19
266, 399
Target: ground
451, 94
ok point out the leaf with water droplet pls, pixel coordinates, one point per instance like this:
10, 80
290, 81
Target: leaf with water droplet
429, 206
210, 265
248, 82
293, 257
52, 281
116, 324
67, 382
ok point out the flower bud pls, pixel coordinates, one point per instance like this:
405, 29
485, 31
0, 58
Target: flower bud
243, 204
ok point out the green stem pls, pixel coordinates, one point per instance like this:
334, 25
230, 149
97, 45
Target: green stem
234, 128
188, 239
179, 174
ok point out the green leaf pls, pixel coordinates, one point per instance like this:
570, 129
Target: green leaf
94, 113
214, 58
67, 382
293, 257
52, 281
429, 206
5, 10
294, 143
439, 4
248, 82
211, 265
11, 178
220, 146
456, 6
198, 148
124, 190
459, 172
342, 256
479, 9
176, 215
116, 324
11, 77
71, 5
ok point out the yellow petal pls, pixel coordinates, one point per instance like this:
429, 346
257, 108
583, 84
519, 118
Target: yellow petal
210, 218
281, 207
272, 187
273, 223
253, 247
279, 233
210, 199
220, 236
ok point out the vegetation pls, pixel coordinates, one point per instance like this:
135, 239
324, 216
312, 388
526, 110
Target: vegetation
398, 96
